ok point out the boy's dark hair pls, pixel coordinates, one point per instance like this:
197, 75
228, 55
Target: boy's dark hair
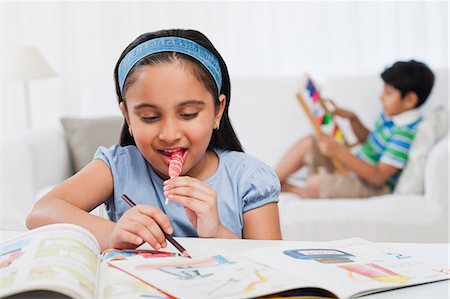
224, 137
409, 76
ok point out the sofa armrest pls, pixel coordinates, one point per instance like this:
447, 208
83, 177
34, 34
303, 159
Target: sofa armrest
30, 161
17, 187
436, 175
50, 155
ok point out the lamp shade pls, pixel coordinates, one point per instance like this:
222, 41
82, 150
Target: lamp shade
25, 63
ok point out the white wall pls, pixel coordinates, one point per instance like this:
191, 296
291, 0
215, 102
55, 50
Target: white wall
82, 41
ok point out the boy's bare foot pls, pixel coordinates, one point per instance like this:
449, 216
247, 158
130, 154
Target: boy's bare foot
286, 187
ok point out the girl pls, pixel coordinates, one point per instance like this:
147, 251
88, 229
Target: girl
173, 89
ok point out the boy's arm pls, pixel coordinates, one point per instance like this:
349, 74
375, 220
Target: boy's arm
374, 174
358, 128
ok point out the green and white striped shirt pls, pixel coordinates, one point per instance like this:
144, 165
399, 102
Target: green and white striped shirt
390, 141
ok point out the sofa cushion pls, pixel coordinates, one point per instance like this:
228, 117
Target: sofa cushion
432, 128
387, 218
85, 135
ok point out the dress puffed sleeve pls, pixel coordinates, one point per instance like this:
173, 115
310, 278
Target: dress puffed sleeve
262, 187
128, 168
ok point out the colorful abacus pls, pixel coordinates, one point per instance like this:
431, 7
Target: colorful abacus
321, 113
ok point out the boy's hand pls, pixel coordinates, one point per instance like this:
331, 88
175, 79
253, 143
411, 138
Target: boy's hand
199, 201
328, 146
141, 224
344, 113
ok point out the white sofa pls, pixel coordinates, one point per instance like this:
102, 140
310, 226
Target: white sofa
268, 120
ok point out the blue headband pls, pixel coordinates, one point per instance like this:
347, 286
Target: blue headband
170, 44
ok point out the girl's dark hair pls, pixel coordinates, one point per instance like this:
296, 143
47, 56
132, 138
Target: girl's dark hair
224, 137
409, 76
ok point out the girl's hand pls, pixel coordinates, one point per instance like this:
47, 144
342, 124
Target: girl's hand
141, 224
199, 201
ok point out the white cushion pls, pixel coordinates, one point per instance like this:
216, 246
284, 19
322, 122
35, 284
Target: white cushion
85, 135
432, 128
394, 218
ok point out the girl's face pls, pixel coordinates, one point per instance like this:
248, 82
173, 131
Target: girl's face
168, 109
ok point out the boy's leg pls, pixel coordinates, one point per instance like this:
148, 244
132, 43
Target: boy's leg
286, 187
292, 161
312, 187
348, 185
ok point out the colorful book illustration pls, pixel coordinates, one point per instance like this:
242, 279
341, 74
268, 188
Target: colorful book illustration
319, 114
339, 269
65, 260
350, 268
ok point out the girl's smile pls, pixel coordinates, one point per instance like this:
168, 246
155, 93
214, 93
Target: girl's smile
167, 153
169, 109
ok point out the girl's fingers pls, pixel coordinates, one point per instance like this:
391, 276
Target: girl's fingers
188, 186
183, 181
158, 216
149, 230
142, 232
201, 195
143, 223
128, 237
193, 204
197, 207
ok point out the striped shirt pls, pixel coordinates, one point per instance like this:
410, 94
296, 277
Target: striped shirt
390, 141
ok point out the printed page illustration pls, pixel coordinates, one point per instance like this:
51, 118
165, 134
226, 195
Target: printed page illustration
349, 267
219, 275
114, 283
63, 260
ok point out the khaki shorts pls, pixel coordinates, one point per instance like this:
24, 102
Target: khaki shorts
337, 185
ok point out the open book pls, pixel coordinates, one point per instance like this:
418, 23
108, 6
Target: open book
339, 269
65, 259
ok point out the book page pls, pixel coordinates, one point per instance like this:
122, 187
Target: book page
216, 274
349, 267
114, 283
58, 257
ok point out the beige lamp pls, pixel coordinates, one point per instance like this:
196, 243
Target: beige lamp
25, 63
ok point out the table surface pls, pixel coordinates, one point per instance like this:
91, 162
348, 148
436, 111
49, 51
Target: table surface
429, 252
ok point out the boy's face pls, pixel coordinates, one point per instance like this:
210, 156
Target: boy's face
392, 101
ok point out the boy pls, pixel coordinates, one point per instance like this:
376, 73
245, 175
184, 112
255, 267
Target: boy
375, 169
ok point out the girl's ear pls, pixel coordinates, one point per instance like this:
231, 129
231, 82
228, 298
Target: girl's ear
124, 110
219, 111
